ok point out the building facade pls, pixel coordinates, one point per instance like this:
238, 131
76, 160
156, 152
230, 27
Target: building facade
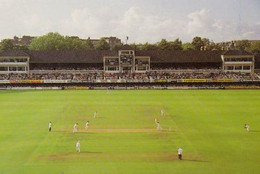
126, 61
237, 61
14, 62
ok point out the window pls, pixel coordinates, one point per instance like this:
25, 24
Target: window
112, 68
126, 52
3, 69
227, 59
246, 68
228, 67
12, 68
238, 67
21, 68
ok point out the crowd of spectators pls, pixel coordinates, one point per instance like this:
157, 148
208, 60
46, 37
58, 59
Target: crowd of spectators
76, 72
139, 77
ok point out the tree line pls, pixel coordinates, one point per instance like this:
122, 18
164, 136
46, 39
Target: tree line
55, 41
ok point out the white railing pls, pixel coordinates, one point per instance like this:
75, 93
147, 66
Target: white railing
238, 71
13, 72
238, 63
13, 63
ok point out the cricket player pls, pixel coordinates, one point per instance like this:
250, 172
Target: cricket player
75, 127
247, 127
78, 146
162, 112
155, 120
95, 114
158, 126
50, 126
180, 153
87, 125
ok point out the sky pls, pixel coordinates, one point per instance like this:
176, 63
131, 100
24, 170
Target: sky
141, 20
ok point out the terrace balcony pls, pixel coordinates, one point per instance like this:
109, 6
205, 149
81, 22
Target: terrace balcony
238, 63
13, 72
13, 64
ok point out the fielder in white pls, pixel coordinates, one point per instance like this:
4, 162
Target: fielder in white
75, 127
155, 120
50, 126
95, 114
78, 146
180, 153
87, 125
158, 126
162, 112
247, 127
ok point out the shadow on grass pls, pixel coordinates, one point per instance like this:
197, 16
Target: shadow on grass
86, 132
193, 160
101, 117
254, 131
17, 91
90, 152
70, 132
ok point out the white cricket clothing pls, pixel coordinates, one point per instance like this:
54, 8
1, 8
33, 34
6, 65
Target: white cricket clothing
87, 124
180, 151
247, 127
49, 125
155, 120
75, 128
78, 147
95, 114
162, 112
158, 127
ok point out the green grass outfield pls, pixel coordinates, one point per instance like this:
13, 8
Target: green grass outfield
207, 124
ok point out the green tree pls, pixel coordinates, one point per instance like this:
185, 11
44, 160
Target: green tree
242, 44
164, 45
187, 46
118, 46
206, 41
102, 45
136, 46
176, 45
255, 47
197, 43
68, 43
77, 44
213, 46
6, 44
88, 44
50, 41
148, 46
20, 47
55, 41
